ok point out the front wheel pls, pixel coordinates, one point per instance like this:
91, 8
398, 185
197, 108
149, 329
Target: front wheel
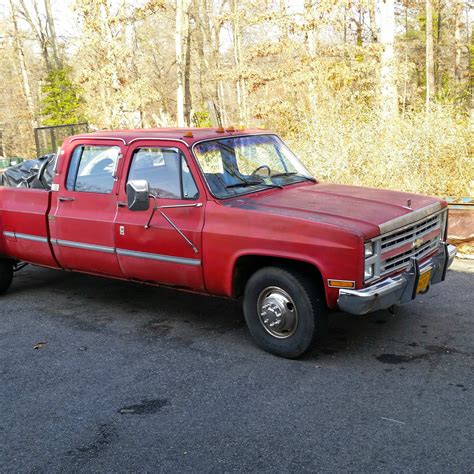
285, 311
6, 275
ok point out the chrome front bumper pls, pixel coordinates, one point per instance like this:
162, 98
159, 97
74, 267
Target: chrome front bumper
398, 289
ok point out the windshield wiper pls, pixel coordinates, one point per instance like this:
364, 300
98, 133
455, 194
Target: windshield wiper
292, 173
245, 184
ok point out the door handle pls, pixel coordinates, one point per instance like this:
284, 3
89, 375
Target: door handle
121, 204
64, 199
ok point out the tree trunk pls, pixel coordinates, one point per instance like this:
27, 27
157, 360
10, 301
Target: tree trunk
430, 76
388, 87
187, 78
373, 24
458, 43
284, 19
182, 25
52, 34
437, 65
25, 83
237, 50
38, 30
311, 48
116, 113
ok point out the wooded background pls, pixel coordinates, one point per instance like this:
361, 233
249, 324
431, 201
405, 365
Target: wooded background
372, 92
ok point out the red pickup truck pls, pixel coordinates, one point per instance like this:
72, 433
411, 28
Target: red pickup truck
231, 213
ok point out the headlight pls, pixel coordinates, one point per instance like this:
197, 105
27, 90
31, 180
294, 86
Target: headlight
371, 258
368, 249
369, 272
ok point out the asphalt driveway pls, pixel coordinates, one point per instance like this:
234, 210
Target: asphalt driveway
101, 375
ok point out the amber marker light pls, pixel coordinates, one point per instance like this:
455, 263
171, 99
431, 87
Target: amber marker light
230, 129
188, 135
341, 284
220, 130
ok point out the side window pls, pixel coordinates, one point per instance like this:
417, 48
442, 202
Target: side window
166, 171
92, 169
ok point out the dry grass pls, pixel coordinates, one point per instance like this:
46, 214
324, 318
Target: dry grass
411, 153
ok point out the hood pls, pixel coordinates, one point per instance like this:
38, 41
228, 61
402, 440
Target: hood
363, 210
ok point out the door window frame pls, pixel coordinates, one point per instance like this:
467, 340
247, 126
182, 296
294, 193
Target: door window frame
102, 142
137, 146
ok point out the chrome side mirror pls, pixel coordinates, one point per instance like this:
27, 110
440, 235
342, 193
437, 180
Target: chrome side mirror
138, 195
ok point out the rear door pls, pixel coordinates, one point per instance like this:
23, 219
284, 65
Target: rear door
169, 251
82, 221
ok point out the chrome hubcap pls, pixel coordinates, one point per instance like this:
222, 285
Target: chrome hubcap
277, 312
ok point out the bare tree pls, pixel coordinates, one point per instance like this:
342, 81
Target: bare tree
457, 40
310, 40
38, 27
25, 83
373, 25
182, 29
388, 87
430, 69
52, 33
237, 50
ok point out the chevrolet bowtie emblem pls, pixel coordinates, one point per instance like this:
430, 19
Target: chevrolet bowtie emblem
417, 243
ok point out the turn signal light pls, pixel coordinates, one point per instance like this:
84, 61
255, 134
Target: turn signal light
341, 284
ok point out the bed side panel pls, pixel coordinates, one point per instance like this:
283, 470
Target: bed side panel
24, 220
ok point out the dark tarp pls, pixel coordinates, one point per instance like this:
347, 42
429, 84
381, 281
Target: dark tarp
37, 174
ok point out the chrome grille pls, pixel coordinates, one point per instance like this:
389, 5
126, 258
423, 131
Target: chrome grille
409, 235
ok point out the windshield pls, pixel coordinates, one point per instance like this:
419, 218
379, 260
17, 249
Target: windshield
243, 164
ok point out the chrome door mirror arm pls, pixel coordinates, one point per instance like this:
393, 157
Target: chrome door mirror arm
170, 222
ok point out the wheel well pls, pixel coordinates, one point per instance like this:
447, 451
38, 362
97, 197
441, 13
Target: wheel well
247, 265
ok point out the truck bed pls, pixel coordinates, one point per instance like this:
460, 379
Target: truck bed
24, 223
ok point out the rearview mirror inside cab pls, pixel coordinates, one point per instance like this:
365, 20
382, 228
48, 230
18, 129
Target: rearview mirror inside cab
138, 195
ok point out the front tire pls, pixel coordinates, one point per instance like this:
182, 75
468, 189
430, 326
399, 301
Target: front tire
6, 275
285, 311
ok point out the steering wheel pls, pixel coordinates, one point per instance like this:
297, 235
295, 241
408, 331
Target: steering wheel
260, 168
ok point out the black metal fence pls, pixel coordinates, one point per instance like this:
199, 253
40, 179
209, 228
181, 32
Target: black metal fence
48, 139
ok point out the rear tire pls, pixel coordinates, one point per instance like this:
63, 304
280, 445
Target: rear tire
6, 275
285, 311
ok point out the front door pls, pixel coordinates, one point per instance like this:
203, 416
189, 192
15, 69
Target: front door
82, 217
167, 251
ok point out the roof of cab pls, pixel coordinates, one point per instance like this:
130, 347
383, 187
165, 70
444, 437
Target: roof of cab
187, 135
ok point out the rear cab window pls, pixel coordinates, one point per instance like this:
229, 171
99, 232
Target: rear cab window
91, 169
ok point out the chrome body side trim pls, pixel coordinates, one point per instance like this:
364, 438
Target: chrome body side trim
162, 258
105, 249
83, 246
396, 290
32, 238
399, 222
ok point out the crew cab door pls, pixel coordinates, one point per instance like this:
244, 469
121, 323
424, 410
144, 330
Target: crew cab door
84, 208
169, 250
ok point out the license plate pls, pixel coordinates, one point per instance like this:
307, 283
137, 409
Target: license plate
423, 281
